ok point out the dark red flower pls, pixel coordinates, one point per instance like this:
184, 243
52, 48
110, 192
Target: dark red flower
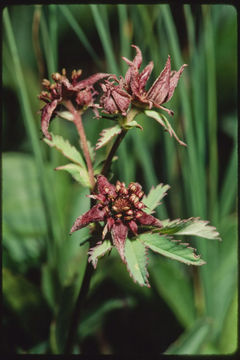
114, 99
162, 89
121, 210
80, 92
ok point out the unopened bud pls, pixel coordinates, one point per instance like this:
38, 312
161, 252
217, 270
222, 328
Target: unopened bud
56, 77
138, 214
140, 194
132, 187
46, 83
64, 72
106, 189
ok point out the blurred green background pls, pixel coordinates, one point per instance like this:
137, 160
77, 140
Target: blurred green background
187, 310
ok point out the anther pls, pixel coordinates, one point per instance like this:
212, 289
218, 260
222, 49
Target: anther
129, 212
115, 208
56, 76
132, 197
125, 208
138, 214
106, 189
139, 205
140, 194
119, 215
128, 217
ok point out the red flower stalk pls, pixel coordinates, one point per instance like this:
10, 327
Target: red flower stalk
80, 92
120, 209
162, 89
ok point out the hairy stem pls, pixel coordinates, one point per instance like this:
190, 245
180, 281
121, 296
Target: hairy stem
79, 125
131, 115
78, 308
114, 148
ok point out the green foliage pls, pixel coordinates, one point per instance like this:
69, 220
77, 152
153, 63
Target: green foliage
107, 134
192, 226
152, 200
98, 251
136, 261
66, 149
173, 249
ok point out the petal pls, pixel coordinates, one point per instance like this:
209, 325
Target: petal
96, 213
160, 88
147, 219
122, 99
104, 186
133, 226
119, 235
174, 81
134, 65
145, 74
47, 112
137, 61
90, 81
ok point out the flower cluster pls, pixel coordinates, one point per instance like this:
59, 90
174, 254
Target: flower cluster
117, 94
80, 92
121, 210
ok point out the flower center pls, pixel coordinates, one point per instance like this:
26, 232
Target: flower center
121, 205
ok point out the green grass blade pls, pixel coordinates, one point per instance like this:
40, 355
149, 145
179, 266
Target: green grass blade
212, 109
80, 34
31, 130
53, 32
125, 37
47, 46
105, 39
229, 188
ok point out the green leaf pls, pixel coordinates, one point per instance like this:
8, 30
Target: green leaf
229, 340
66, 149
77, 172
67, 115
192, 340
191, 226
152, 200
99, 250
107, 134
162, 120
26, 302
173, 249
136, 261
175, 287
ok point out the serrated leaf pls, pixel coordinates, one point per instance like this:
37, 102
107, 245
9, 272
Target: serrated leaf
136, 261
191, 226
162, 120
173, 249
77, 172
98, 251
152, 200
68, 150
107, 134
132, 124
